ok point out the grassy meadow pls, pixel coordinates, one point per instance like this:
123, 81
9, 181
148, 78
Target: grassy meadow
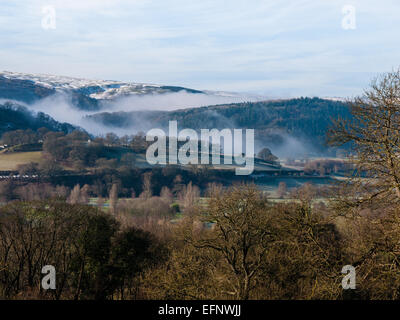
10, 161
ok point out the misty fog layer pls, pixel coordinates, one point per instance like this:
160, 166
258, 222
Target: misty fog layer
60, 107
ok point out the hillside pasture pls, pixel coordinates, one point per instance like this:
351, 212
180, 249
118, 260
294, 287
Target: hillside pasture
10, 161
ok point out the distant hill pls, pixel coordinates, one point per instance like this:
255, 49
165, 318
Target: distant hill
14, 117
305, 119
84, 94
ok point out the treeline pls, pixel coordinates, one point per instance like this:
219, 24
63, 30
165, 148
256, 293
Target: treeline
23, 137
76, 150
93, 255
15, 117
238, 245
128, 181
137, 251
327, 166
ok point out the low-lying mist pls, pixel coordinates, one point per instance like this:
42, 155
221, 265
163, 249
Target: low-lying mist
60, 107
286, 146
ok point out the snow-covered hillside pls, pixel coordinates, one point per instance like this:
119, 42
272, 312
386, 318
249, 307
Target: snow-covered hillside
69, 99
96, 89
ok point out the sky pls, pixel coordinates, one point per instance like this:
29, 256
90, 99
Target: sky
276, 48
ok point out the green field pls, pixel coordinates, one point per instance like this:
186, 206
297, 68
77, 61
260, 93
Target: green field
10, 161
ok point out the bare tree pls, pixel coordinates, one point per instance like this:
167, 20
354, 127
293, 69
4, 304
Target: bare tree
374, 133
79, 195
74, 197
147, 192
113, 198
84, 194
166, 194
243, 234
189, 196
282, 189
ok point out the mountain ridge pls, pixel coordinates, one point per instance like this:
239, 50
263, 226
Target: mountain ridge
86, 94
